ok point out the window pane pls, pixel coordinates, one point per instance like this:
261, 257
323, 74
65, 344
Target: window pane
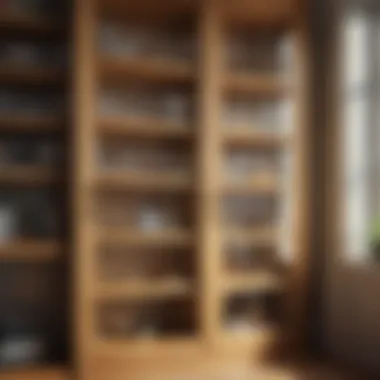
356, 50
356, 177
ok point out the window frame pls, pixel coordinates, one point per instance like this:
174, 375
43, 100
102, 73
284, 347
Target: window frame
367, 92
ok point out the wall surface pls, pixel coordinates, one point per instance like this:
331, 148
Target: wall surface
352, 311
350, 302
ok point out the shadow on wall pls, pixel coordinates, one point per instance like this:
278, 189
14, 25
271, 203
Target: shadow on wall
353, 316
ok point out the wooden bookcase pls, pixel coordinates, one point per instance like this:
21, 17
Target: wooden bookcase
190, 184
34, 125
188, 181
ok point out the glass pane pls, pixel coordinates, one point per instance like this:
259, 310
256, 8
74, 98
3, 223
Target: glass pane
356, 50
360, 131
356, 178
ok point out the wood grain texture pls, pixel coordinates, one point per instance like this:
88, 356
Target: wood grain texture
43, 373
255, 282
153, 70
148, 290
28, 176
252, 137
211, 345
85, 90
21, 123
150, 182
209, 160
255, 84
13, 74
300, 269
27, 250
35, 25
148, 128
135, 237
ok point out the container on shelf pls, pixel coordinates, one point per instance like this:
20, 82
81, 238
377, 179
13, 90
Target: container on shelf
29, 102
253, 114
8, 101
21, 350
248, 212
20, 54
8, 223
38, 215
246, 313
47, 153
152, 217
117, 321
150, 323
117, 40
4, 153
255, 54
176, 107
21, 151
174, 47
110, 103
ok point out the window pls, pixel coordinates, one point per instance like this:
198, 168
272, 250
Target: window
361, 130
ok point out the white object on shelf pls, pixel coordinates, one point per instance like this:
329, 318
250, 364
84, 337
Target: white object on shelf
244, 326
147, 332
154, 217
110, 39
136, 41
111, 102
238, 166
21, 350
151, 218
286, 58
120, 41
7, 223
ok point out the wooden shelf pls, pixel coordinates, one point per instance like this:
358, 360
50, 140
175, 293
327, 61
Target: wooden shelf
27, 175
30, 250
268, 15
109, 351
155, 70
135, 346
143, 127
37, 25
246, 137
152, 289
163, 10
259, 281
42, 373
21, 123
260, 339
255, 236
262, 184
255, 84
120, 180
20, 75
132, 236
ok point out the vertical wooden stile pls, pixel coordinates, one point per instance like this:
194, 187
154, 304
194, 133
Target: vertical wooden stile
298, 274
209, 140
84, 94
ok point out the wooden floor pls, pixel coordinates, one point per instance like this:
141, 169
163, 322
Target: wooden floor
290, 372
307, 372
